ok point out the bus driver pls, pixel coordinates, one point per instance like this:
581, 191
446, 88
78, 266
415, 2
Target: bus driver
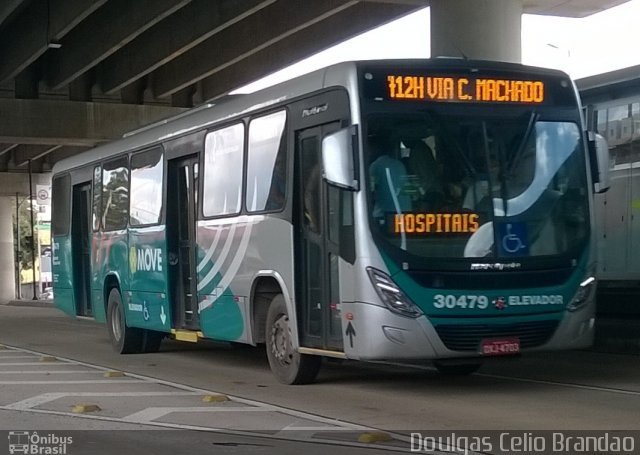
388, 177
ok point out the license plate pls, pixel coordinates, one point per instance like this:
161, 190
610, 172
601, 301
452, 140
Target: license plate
500, 346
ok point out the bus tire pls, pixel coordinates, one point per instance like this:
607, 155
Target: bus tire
287, 364
457, 369
125, 340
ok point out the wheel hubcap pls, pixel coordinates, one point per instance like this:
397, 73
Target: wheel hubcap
281, 340
116, 323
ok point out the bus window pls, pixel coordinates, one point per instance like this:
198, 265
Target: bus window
61, 195
223, 162
146, 187
97, 197
115, 194
266, 163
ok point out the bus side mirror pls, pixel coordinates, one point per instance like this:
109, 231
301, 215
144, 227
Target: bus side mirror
599, 151
338, 158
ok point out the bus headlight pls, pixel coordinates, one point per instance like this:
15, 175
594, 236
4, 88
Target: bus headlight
583, 294
391, 295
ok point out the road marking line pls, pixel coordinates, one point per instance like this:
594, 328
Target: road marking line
200, 391
151, 414
253, 406
227, 431
39, 400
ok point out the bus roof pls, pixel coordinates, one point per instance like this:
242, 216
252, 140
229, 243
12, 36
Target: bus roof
341, 74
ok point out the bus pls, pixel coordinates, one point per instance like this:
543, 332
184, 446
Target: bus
612, 102
404, 210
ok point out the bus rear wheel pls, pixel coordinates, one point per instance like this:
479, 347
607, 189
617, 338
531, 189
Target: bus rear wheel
287, 364
125, 340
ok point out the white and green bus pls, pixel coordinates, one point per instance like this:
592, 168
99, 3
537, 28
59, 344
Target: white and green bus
377, 210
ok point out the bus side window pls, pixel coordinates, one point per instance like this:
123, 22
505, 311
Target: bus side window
60, 214
115, 194
146, 187
223, 162
97, 197
266, 163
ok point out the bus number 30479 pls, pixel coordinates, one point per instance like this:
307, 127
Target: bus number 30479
480, 302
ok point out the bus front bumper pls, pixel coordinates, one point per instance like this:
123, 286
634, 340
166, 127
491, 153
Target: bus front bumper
373, 332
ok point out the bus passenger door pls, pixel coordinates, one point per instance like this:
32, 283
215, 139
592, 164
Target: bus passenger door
81, 248
182, 196
317, 284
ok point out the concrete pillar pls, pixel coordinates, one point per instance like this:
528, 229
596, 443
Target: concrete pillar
477, 29
7, 256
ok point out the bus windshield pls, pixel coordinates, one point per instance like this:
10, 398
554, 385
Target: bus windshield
451, 184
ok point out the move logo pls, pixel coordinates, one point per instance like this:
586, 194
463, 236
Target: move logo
145, 259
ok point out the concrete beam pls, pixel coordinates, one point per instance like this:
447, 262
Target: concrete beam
355, 20
45, 23
172, 37
33, 152
8, 8
73, 123
259, 31
6, 148
103, 33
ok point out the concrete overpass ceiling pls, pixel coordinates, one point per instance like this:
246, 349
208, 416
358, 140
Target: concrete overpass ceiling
75, 73
569, 8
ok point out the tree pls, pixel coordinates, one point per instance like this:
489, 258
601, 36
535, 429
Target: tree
24, 231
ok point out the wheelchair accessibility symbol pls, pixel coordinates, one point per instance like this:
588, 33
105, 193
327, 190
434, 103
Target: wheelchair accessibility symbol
145, 311
513, 237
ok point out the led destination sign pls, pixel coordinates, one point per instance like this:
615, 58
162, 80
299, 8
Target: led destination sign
465, 89
434, 223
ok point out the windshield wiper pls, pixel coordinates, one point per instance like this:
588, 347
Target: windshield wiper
450, 139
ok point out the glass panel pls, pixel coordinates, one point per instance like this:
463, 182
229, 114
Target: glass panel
115, 194
635, 133
146, 187
311, 183
61, 191
334, 214
618, 134
97, 197
601, 122
196, 186
223, 171
459, 186
266, 165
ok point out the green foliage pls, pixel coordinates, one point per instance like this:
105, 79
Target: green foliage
24, 231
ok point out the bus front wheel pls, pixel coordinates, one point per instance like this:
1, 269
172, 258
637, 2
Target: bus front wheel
125, 340
287, 364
